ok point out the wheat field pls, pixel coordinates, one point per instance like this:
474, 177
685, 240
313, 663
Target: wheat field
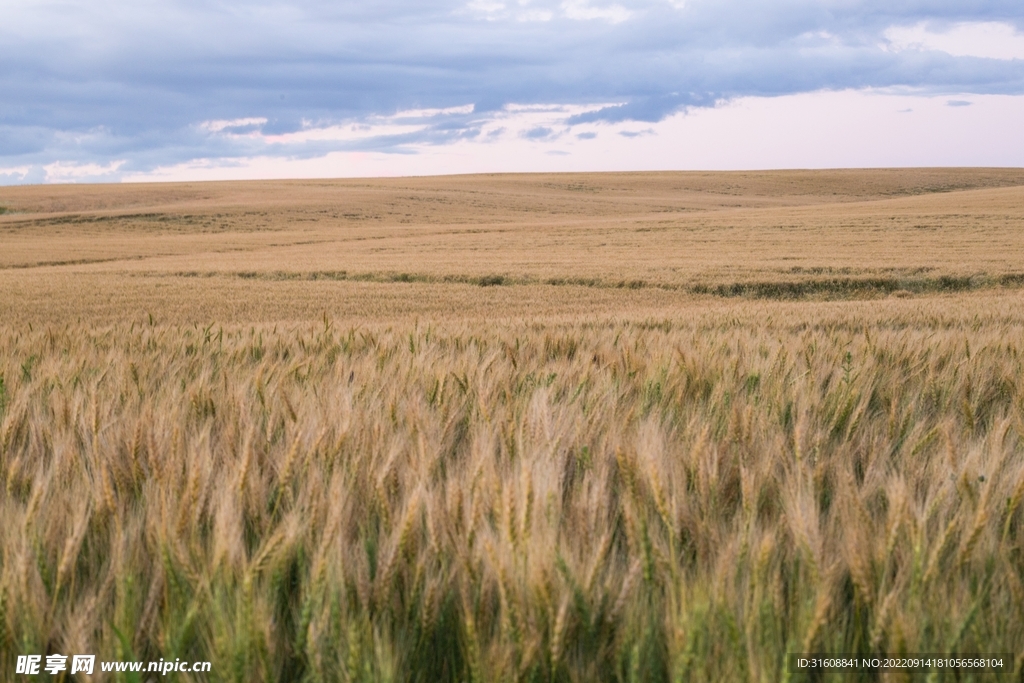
608, 427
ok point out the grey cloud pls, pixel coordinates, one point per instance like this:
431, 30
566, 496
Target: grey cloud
644, 108
538, 133
636, 133
23, 140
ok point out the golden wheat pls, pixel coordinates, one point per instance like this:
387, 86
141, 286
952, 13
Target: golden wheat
586, 501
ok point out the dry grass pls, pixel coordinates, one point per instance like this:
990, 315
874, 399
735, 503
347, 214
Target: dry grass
300, 474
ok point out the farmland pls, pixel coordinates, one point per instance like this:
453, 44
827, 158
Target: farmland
623, 427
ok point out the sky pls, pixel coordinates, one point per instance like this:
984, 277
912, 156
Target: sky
146, 90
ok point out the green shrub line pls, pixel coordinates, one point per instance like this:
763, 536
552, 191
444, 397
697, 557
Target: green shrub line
815, 288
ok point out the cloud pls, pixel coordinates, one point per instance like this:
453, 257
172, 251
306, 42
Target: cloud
584, 10
234, 126
530, 10
538, 133
644, 108
163, 83
63, 172
985, 39
21, 174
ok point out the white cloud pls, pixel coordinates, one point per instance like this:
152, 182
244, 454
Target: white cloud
511, 121
70, 172
430, 113
15, 174
535, 15
545, 10
993, 40
348, 132
583, 10
488, 9
229, 124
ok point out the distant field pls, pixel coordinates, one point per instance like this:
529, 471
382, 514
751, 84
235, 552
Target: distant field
595, 427
108, 252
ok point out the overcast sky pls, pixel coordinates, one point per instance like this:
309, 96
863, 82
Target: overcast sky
196, 89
